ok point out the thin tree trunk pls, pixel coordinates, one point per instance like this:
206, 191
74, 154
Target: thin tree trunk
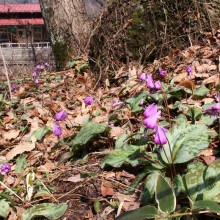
69, 28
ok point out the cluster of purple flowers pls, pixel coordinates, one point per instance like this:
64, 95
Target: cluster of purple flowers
5, 168
59, 116
151, 84
214, 109
37, 70
151, 115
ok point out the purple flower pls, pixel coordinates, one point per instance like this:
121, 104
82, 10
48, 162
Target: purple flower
88, 100
61, 116
46, 64
150, 110
143, 77
157, 85
213, 110
160, 136
36, 81
141, 102
14, 86
189, 71
151, 122
163, 72
5, 168
57, 129
34, 74
39, 67
150, 82
217, 97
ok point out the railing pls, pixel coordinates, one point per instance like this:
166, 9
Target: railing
20, 53
25, 45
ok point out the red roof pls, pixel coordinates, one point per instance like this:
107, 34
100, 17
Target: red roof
13, 8
24, 21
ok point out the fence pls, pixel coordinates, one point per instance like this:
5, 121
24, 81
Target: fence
26, 53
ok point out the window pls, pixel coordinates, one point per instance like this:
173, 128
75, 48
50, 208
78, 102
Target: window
38, 33
4, 34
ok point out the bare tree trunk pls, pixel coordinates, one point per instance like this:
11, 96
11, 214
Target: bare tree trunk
69, 28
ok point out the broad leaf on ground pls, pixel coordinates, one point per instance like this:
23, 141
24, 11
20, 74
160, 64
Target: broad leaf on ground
194, 180
21, 163
135, 102
164, 195
4, 208
186, 141
48, 210
129, 154
139, 214
207, 205
89, 131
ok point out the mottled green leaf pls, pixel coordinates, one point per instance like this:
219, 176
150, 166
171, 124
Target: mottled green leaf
121, 141
208, 120
40, 133
194, 180
212, 182
89, 131
21, 163
139, 214
149, 185
48, 210
185, 141
135, 102
202, 91
4, 208
207, 205
164, 195
130, 154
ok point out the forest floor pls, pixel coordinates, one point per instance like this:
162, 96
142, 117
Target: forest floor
85, 175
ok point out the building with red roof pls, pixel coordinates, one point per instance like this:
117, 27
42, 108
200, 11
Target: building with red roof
22, 23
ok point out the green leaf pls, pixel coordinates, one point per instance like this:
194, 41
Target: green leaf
149, 185
213, 194
194, 113
139, 214
129, 154
207, 205
48, 210
164, 195
185, 141
178, 185
121, 141
97, 206
208, 120
40, 133
135, 102
202, 91
21, 163
212, 182
89, 131
4, 208
194, 181
212, 174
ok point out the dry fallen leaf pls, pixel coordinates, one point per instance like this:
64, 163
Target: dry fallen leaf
9, 135
75, 179
46, 168
107, 189
209, 160
22, 147
116, 132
